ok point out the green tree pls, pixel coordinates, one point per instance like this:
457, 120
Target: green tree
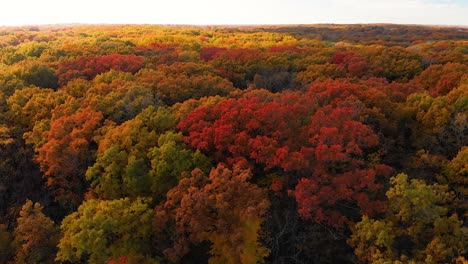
142, 157
33, 73
441, 126
456, 173
31, 105
416, 228
103, 230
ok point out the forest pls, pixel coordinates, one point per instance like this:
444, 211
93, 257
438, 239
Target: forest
234, 145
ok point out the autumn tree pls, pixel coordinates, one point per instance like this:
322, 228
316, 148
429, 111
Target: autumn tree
331, 150
67, 154
316, 73
417, 227
9, 83
181, 81
19, 174
35, 235
223, 208
209, 53
240, 66
353, 63
36, 74
142, 157
441, 125
105, 230
441, 79
32, 105
394, 63
88, 67
6, 248
456, 173
120, 100
159, 53
341, 176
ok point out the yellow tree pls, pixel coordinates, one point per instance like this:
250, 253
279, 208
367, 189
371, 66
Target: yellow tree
416, 229
103, 230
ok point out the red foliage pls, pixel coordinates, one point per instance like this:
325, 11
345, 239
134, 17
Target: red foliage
158, 53
247, 128
208, 53
238, 55
121, 260
156, 48
89, 66
441, 79
340, 176
67, 154
353, 63
329, 146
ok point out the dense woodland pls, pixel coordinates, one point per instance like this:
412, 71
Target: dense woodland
171, 144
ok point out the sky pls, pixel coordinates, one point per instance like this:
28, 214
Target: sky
222, 12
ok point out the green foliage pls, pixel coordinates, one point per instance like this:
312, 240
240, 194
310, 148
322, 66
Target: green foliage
32, 104
170, 159
120, 100
416, 228
456, 176
37, 74
142, 157
441, 125
104, 230
9, 83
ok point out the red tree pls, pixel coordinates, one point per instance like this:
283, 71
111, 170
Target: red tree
67, 154
89, 66
329, 147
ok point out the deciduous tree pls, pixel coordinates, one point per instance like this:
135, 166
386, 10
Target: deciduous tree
223, 208
103, 230
416, 229
68, 153
36, 235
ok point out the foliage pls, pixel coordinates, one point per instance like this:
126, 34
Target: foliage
142, 157
115, 130
5, 244
35, 235
417, 227
101, 230
89, 66
222, 208
67, 154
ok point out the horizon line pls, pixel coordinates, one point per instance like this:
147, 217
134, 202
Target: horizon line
230, 24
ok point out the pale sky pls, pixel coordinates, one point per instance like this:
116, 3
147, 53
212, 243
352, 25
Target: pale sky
202, 12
